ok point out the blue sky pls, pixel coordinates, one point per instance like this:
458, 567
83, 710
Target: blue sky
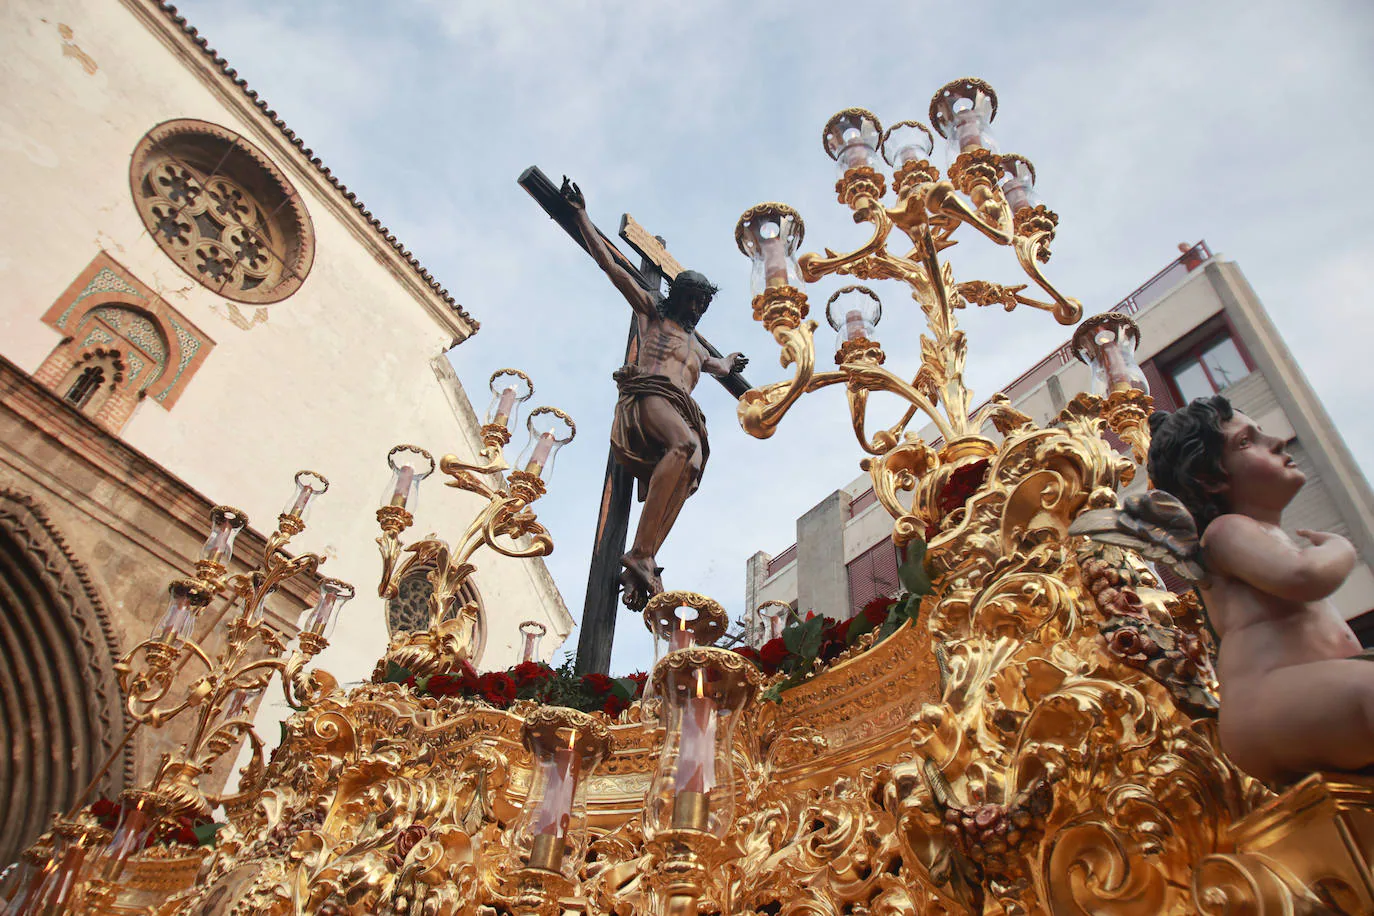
1242, 123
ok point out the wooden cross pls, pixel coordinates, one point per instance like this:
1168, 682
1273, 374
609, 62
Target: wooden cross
613, 519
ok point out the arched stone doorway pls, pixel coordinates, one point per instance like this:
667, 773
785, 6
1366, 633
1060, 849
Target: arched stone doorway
61, 710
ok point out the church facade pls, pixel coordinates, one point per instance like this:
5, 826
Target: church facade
195, 309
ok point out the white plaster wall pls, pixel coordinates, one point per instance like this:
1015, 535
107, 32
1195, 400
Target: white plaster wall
332, 378
781, 587
870, 526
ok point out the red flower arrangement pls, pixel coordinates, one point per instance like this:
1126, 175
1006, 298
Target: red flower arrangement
615, 705
772, 654
528, 674
962, 484
534, 681
597, 682
497, 688
184, 830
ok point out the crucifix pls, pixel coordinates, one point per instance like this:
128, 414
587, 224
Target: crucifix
659, 435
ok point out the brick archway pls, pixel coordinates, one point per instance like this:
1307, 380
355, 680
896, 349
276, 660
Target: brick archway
107, 307
61, 710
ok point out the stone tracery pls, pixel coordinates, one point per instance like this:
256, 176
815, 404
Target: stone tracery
222, 211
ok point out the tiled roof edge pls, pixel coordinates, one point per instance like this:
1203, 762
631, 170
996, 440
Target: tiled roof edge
191, 32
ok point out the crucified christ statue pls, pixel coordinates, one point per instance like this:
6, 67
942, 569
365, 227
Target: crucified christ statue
659, 432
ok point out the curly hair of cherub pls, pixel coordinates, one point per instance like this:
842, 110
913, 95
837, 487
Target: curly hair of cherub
1185, 456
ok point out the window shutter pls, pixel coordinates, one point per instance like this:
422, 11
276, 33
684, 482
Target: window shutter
872, 573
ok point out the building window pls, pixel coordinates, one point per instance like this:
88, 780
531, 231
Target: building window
121, 344
1207, 368
219, 208
872, 574
87, 383
408, 612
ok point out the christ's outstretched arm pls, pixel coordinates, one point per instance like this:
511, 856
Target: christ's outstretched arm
637, 296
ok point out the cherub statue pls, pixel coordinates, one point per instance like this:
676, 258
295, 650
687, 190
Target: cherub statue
1297, 693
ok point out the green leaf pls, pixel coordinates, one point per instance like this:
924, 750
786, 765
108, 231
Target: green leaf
912, 572
889, 627
804, 639
858, 626
395, 674
624, 688
205, 833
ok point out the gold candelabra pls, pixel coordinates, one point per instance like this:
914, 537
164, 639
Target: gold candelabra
1036, 737
84, 861
506, 524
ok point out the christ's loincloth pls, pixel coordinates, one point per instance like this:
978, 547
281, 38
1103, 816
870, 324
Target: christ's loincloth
632, 448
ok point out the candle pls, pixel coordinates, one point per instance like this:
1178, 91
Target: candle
401, 492
218, 544
1109, 351
541, 454
1018, 197
966, 129
696, 763
530, 652
238, 702
774, 259
303, 495
697, 760
776, 619
503, 407
555, 809
319, 617
681, 637
854, 325
854, 156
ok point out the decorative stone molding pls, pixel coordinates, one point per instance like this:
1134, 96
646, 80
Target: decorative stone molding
222, 210
64, 708
106, 308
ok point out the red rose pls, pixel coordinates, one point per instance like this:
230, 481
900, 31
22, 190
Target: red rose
497, 688
875, 612
773, 653
597, 682
527, 673
409, 837
962, 484
640, 678
750, 653
446, 685
614, 705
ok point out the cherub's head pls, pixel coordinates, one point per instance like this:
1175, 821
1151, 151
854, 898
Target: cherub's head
1217, 461
688, 297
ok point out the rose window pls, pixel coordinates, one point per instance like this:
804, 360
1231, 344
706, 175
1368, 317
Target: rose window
222, 211
408, 612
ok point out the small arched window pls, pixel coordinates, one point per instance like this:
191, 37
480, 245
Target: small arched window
145, 349
86, 385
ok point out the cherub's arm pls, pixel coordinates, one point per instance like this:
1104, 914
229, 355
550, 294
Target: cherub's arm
637, 296
1240, 546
